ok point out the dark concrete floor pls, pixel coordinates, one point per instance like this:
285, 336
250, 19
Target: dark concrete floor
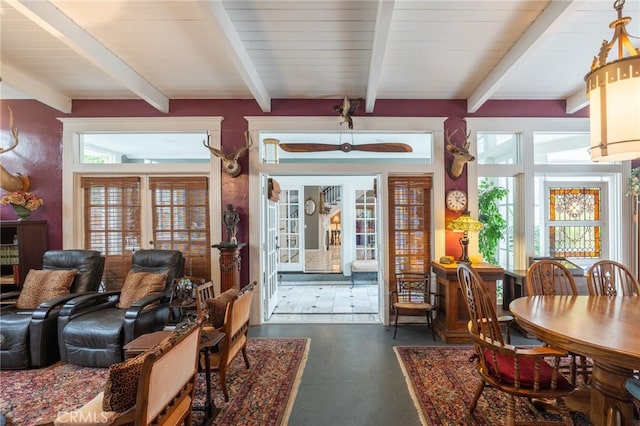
352, 376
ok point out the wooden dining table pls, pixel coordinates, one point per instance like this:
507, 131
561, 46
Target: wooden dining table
603, 328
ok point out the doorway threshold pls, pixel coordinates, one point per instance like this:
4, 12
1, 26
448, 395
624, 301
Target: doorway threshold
324, 319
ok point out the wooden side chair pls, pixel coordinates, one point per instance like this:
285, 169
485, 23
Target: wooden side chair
156, 387
236, 326
548, 277
518, 372
413, 297
204, 292
610, 278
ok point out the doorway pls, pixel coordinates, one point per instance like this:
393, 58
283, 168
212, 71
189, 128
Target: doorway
320, 233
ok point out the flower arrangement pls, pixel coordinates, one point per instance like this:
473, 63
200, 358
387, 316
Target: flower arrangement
633, 184
22, 199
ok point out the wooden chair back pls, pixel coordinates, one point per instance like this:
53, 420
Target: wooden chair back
167, 381
483, 320
610, 278
204, 292
412, 287
550, 278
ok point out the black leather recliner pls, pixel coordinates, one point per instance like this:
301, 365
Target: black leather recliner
30, 337
92, 330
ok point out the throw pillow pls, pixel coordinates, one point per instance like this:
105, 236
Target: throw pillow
40, 286
121, 388
140, 284
218, 307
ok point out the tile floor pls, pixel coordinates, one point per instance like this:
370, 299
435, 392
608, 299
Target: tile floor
327, 301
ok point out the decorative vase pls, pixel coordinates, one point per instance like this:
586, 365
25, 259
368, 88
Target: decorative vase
22, 212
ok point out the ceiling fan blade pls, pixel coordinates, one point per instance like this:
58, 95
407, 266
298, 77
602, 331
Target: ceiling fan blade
308, 147
383, 147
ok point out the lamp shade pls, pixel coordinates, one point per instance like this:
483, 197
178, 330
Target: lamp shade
613, 90
614, 96
465, 223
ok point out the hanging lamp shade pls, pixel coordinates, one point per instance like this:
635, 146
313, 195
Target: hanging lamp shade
613, 90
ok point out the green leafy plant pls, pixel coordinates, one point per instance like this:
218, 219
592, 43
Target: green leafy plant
494, 224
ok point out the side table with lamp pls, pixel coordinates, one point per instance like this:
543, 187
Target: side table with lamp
452, 316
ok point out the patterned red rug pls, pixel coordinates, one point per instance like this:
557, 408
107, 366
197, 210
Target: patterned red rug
441, 381
262, 395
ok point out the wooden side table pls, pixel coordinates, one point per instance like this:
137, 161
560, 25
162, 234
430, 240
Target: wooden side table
452, 315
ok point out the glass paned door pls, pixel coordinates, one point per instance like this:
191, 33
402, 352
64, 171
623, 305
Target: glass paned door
290, 252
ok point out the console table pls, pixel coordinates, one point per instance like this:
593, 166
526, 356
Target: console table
230, 263
452, 315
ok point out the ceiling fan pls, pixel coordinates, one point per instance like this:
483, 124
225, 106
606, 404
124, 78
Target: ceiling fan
346, 147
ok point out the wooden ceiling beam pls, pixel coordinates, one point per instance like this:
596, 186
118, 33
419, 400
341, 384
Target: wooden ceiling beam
552, 17
17, 80
380, 38
51, 19
236, 50
576, 101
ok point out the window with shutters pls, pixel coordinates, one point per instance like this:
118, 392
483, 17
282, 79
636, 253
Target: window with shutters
180, 211
181, 220
409, 224
112, 223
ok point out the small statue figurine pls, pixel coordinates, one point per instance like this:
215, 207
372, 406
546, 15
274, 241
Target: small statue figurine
230, 219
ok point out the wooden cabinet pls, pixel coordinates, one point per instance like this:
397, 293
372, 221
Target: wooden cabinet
366, 217
22, 246
452, 315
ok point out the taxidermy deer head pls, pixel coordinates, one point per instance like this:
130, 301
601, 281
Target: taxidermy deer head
230, 163
12, 182
461, 156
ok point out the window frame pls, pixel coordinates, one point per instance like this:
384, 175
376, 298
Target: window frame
525, 174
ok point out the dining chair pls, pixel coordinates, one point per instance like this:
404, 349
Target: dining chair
528, 372
610, 278
413, 297
549, 277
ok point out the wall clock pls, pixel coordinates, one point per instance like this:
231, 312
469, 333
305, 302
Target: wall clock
309, 206
456, 200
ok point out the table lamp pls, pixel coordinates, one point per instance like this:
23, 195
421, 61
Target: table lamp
465, 223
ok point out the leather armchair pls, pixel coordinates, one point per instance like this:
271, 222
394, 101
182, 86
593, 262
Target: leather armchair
92, 329
30, 337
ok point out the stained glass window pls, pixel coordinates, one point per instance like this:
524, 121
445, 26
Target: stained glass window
574, 222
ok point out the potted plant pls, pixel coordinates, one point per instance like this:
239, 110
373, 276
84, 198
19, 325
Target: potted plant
494, 224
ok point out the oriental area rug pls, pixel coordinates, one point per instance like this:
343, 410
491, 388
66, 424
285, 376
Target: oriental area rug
442, 380
262, 395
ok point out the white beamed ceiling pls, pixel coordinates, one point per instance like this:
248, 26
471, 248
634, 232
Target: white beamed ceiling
60, 50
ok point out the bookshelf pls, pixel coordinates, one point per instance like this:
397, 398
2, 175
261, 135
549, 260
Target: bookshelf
366, 239
22, 246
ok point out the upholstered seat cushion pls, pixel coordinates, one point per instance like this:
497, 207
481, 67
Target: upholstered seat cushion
506, 370
40, 286
218, 306
140, 284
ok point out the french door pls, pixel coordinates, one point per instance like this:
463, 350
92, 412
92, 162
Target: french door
127, 213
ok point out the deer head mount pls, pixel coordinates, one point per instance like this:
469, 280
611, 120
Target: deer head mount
461, 156
230, 163
8, 181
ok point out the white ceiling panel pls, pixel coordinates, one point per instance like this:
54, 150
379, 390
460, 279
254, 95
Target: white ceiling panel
304, 49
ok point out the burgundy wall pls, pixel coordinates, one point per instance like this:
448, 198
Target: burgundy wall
39, 152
